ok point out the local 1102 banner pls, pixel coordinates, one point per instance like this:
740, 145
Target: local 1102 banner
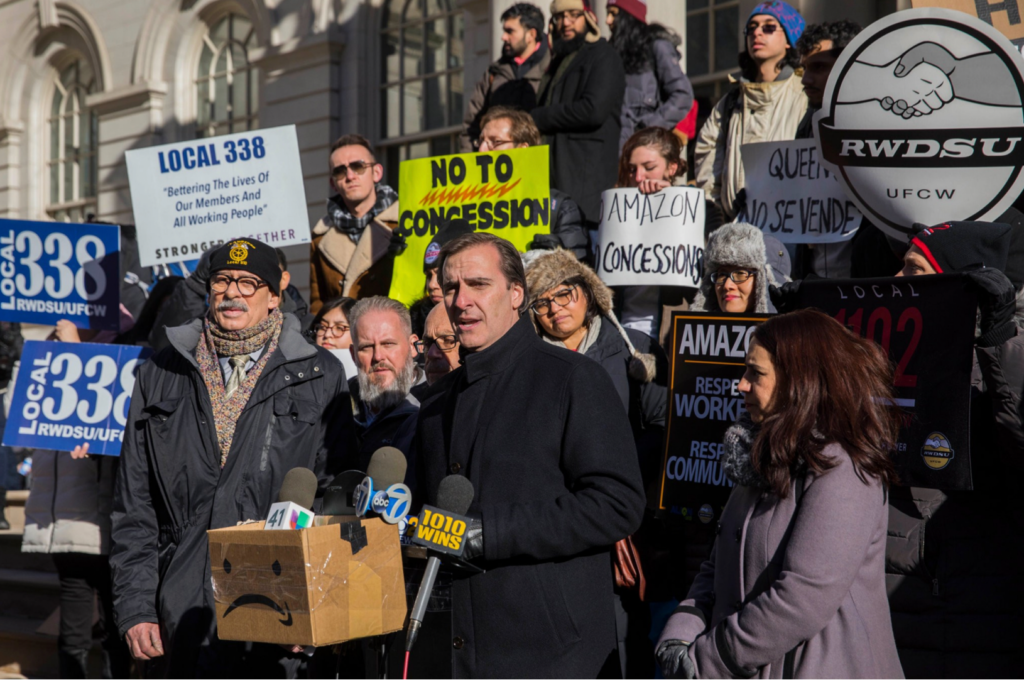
55, 270
70, 393
926, 324
191, 196
708, 353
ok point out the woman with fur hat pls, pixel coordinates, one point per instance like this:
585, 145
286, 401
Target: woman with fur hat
740, 263
571, 307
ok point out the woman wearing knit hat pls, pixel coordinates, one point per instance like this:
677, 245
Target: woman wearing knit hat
658, 93
571, 307
766, 105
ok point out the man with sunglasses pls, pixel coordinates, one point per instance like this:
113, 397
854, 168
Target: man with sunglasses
579, 105
353, 249
216, 421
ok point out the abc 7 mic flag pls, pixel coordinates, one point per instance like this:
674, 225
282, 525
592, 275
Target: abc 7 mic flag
392, 504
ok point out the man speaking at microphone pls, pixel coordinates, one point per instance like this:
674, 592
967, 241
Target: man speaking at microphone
216, 421
543, 437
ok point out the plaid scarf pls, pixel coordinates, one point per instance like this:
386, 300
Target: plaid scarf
216, 342
339, 217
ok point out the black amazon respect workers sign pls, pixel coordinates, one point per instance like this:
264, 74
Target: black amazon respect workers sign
704, 400
926, 324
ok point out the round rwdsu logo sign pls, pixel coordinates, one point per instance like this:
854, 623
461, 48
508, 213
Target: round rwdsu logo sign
922, 120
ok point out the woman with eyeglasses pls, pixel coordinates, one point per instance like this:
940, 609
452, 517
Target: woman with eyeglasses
572, 308
330, 330
740, 262
766, 105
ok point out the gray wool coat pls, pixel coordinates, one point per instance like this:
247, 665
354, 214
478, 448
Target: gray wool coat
795, 587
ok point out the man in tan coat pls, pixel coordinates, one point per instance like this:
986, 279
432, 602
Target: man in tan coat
352, 253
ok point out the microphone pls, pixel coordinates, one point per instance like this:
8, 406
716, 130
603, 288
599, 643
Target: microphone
454, 496
294, 500
338, 494
382, 491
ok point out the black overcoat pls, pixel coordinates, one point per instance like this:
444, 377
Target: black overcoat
171, 488
551, 456
581, 124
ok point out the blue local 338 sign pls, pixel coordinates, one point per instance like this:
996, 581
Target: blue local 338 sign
70, 393
53, 270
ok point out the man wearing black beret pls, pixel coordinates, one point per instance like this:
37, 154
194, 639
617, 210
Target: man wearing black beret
217, 419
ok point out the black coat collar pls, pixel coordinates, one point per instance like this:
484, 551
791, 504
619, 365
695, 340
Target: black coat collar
499, 356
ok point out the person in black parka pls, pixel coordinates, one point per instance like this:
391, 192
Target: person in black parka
216, 420
579, 107
546, 442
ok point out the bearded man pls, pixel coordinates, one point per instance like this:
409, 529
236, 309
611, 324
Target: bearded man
383, 346
217, 419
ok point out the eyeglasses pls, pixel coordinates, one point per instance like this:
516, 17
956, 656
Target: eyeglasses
495, 144
247, 286
445, 343
570, 14
336, 329
562, 298
767, 29
358, 167
736, 276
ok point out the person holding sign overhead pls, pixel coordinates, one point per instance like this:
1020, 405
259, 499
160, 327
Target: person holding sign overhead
216, 420
350, 254
795, 585
952, 565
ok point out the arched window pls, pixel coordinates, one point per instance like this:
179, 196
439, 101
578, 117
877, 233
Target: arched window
73, 134
227, 87
421, 97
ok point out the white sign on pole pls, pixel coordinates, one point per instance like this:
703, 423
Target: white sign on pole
651, 239
191, 196
793, 197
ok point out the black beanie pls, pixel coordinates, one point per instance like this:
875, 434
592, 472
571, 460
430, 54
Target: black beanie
448, 232
249, 255
957, 246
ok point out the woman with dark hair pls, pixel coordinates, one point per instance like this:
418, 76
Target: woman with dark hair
766, 105
795, 585
658, 93
330, 330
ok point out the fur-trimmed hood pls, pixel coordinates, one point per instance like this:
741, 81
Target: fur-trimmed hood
739, 244
546, 269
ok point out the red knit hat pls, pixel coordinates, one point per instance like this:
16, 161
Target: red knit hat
638, 8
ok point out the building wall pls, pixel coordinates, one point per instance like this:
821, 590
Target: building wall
320, 69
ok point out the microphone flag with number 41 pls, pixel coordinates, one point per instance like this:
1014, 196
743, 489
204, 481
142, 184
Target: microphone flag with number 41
56, 270
72, 393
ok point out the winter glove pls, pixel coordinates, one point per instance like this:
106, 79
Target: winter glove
997, 301
474, 540
674, 658
739, 206
397, 245
545, 242
200, 277
785, 297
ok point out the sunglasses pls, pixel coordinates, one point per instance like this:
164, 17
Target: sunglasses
767, 29
358, 167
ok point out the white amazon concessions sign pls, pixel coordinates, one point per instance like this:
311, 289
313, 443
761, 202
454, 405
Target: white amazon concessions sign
190, 196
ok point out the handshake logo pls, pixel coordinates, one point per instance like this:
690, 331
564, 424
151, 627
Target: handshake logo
923, 120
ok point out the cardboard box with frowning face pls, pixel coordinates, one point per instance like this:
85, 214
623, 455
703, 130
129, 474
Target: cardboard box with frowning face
316, 586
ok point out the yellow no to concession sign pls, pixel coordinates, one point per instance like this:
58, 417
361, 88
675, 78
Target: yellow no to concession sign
506, 193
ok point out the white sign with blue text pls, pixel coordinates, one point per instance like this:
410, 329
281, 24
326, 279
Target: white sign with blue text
191, 196
72, 393
54, 270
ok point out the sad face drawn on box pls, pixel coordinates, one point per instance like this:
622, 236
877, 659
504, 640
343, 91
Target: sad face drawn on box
268, 582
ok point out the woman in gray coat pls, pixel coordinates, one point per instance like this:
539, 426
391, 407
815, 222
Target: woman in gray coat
658, 93
795, 585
